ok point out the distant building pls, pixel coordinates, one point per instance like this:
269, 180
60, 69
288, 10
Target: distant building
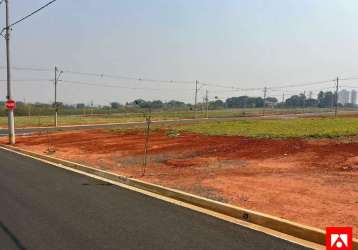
354, 97
343, 96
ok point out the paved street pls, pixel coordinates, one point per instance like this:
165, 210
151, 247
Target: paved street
44, 207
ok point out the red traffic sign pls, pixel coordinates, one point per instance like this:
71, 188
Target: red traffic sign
10, 104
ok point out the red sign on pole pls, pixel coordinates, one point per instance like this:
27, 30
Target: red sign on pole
10, 104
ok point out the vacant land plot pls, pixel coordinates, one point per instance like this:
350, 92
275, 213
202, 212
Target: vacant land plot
295, 128
307, 180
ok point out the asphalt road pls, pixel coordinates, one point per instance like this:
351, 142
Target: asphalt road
24, 131
44, 207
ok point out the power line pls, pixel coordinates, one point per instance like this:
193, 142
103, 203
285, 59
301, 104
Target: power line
27, 69
322, 89
272, 88
351, 87
96, 75
302, 84
112, 86
87, 83
102, 85
27, 80
31, 14
141, 79
121, 77
233, 88
349, 78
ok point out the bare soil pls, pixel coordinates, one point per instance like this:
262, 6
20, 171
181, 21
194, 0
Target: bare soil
314, 182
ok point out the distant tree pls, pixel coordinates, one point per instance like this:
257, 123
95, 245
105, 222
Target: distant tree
141, 103
259, 102
80, 105
175, 104
157, 104
295, 101
21, 109
60, 104
252, 102
41, 105
244, 102
115, 105
311, 102
301, 101
326, 99
218, 104
237, 102
272, 100
232, 102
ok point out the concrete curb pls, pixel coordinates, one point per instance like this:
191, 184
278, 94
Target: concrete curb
300, 231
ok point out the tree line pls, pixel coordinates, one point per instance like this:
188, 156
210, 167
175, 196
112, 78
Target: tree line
323, 100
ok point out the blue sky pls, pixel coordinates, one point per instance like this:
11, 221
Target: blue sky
230, 42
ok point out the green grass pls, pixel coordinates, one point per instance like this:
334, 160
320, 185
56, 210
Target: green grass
33, 121
296, 128
63, 120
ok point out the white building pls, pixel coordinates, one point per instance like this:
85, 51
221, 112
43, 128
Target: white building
343, 96
354, 97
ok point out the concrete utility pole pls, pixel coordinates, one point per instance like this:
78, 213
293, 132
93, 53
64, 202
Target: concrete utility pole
304, 100
336, 106
56, 109
57, 77
7, 29
265, 93
207, 104
11, 122
196, 98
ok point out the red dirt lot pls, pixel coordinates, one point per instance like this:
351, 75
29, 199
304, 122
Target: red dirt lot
314, 182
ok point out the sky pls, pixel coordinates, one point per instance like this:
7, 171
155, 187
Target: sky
233, 43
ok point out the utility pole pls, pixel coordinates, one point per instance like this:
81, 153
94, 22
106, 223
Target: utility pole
336, 106
196, 99
304, 101
283, 97
56, 108
7, 29
11, 122
57, 77
207, 104
265, 93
